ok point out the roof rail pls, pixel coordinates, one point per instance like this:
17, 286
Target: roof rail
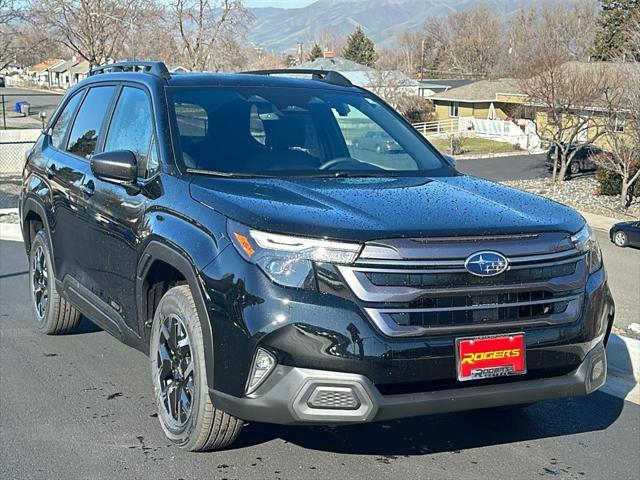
328, 76
159, 69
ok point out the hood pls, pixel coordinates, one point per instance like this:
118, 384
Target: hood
364, 209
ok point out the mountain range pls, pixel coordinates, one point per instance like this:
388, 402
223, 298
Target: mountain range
280, 29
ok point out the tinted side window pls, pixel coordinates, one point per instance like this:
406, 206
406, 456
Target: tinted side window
64, 119
84, 134
132, 128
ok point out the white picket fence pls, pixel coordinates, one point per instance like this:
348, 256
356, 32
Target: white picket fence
499, 130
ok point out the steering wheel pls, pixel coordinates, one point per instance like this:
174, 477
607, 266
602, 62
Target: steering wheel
343, 160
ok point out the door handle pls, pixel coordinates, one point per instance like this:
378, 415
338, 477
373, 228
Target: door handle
88, 188
50, 171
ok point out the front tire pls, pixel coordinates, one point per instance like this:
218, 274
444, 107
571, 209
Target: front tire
180, 378
53, 314
620, 239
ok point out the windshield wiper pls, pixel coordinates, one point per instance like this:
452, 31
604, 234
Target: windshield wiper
347, 174
214, 173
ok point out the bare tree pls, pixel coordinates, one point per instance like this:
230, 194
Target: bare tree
94, 29
572, 96
155, 26
390, 85
208, 30
261, 60
9, 16
469, 41
568, 29
623, 130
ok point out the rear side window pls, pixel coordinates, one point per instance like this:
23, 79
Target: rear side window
86, 128
64, 120
132, 129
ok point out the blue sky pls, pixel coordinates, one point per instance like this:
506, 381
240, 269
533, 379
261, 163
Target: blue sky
277, 3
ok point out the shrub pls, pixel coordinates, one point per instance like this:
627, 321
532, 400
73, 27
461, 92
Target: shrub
457, 145
611, 183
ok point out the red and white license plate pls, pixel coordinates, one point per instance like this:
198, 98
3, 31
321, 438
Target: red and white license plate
491, 356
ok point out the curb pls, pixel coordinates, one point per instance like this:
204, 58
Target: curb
599, 222
623, 358
10, 232
623, 354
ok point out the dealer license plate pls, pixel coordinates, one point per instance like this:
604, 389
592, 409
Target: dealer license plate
490, 356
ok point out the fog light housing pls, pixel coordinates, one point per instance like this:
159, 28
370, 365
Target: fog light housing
263, 364
334, 398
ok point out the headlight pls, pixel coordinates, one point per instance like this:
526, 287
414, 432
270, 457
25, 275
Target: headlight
288, 260
586, 242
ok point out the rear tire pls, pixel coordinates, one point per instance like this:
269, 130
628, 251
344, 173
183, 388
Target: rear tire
53, 314
574, 168
179, 378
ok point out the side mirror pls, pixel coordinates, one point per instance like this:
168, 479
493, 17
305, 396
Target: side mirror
118, 166
450, 160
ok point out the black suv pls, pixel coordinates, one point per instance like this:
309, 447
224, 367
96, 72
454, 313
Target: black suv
584, 158
225, 225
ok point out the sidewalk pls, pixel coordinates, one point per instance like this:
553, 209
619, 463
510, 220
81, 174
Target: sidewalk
599, 222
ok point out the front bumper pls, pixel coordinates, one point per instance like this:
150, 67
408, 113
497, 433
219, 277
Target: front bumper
285, 396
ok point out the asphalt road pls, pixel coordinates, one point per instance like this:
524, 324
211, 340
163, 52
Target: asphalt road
623, 272
500, 169
80, 406
39, 101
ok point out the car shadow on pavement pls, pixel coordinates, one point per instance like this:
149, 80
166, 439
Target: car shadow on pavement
451, 432
86, 326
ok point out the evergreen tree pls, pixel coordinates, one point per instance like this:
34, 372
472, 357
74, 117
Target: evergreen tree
316, 52
359, 48
613, 32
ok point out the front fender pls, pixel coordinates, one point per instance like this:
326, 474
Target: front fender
188, 247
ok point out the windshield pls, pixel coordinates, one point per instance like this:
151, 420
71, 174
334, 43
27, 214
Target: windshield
295, 131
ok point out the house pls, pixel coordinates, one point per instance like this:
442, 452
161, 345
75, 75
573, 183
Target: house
482, 106
484, 99
338, 64
596, 113
60, 76
40, 73
431, 87
78, 72
382, 82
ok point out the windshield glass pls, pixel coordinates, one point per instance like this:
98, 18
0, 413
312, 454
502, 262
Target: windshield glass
295, 131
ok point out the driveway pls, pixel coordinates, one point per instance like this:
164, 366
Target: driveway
80, 406
500, 169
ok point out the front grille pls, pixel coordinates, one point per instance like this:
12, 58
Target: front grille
477, 310
408, 279
421, 295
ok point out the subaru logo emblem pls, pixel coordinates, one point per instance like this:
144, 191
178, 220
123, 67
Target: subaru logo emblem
486, 264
